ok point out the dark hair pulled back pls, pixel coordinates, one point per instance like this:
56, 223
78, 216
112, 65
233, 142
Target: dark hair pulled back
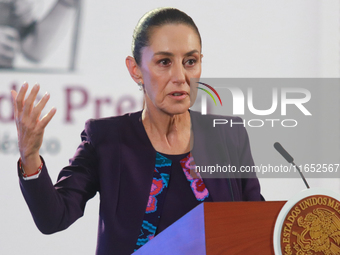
153, 19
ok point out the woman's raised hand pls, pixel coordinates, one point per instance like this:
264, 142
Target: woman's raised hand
29, 125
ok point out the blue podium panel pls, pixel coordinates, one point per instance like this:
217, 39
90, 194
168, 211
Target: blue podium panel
185, 236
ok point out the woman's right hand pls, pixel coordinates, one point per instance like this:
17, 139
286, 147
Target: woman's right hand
30, 127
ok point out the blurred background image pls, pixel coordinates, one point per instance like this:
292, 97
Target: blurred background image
38, 35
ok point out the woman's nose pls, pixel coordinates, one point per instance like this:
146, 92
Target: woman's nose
178, 73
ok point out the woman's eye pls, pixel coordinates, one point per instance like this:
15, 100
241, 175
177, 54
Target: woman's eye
164, 62
191, 62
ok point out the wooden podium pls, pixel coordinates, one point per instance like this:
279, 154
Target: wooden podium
219, 228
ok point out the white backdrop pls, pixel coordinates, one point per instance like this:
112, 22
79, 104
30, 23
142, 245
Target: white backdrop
261, 38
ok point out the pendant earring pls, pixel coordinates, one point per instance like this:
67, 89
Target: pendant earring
140, 84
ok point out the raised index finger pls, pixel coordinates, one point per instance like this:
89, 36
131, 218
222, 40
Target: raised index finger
19, 101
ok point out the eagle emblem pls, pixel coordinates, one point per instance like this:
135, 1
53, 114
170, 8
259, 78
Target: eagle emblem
321, 234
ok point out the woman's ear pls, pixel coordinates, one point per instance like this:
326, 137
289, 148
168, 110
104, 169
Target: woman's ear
133, 69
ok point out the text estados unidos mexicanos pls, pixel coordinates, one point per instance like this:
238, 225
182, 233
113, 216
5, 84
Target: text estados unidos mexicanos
263, 169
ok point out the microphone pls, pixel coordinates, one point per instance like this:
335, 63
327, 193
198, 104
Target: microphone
290, 160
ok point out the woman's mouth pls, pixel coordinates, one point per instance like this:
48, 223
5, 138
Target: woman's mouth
179, 95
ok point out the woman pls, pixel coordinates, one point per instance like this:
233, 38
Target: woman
139, 162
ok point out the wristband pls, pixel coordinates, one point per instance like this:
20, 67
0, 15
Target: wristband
27, 176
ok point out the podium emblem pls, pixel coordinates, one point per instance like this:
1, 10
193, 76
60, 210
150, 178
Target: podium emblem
309, 226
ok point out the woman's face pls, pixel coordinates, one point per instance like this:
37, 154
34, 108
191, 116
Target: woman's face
167, 65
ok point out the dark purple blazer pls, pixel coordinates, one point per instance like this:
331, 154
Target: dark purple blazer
117, 159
